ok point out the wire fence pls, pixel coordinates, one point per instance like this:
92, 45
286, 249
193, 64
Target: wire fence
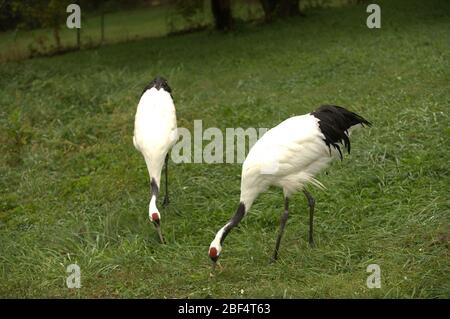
155, 19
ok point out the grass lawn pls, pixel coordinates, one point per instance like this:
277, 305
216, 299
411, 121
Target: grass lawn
74, 189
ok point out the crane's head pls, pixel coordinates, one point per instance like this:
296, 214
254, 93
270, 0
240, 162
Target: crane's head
155, 218
214, 252
160, 82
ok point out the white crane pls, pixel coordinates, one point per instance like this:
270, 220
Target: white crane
155, 132
289, 156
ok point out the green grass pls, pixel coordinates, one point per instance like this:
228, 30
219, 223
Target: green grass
74, 189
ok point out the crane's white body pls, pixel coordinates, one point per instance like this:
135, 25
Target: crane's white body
288, 155
155, 132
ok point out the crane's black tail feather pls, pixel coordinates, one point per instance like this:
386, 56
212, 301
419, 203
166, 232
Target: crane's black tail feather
334, 122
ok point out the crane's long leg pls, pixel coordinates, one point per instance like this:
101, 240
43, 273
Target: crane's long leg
166, 195
283, 221
311, 204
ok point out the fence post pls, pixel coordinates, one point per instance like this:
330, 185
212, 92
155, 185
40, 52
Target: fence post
79, 38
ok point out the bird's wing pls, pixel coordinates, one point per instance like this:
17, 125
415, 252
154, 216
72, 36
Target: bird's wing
289, 155
290, 147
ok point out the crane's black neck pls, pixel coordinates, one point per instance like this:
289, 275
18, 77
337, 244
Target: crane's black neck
154, 188
240, 213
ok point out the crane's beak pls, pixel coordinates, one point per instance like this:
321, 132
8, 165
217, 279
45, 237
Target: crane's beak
157, 224
160, 235
215, 264
213, 254
213, 269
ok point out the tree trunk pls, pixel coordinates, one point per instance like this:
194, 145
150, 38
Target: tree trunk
289, 8
269, 7
280, 8
221, 10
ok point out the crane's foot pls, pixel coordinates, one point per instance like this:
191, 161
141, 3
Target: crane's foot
312, 244
273, 259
